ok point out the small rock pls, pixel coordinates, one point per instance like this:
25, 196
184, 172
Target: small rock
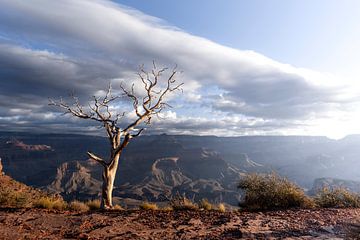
328, 229
313, 233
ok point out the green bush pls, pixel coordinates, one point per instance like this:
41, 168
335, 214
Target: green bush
205, 204
337, 198
182, 203
148, 206
270, 191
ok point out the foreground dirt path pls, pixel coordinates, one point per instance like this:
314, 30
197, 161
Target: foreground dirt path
291, 224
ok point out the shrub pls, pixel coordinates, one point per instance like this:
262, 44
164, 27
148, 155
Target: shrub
148, 206
44, 202
50, 203
337, 198
270, 191
60, 205
78, 206
182, 203
93, 204
205, 204
166, 208
118, 207
13, 199
221, 207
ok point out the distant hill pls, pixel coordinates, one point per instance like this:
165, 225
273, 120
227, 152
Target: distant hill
158, 166
333, 183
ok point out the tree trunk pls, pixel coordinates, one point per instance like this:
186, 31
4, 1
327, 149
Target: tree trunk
108, 183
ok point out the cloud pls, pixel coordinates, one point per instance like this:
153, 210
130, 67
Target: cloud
48, 48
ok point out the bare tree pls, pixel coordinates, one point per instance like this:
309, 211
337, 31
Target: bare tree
145, 106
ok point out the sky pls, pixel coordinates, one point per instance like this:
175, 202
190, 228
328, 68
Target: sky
248, 67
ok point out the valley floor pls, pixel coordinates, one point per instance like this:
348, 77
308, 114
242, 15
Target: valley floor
136, 224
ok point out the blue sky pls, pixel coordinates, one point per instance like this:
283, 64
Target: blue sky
304, 33
249, 67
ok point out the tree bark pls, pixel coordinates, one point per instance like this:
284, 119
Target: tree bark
108, 176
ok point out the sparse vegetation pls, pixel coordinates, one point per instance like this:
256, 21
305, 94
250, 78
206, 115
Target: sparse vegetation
270, 191
148, 206
93, 204
13, 199
205, 204
14, 194
118, 207
167, 208
78, 206
221, 207
50, 203
182, 203
60, 205
337, 198
44, 202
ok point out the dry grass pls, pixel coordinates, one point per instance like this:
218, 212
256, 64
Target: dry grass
117, 207
182, 203
17, 195
205, 204
78, 206
167, 208
337, 198
93, 204
13, 199
50, 203
221, 207
266, 192
148, 206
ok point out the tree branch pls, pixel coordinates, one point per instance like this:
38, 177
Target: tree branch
96, 158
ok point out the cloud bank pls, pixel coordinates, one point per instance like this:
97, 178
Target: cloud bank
48, 48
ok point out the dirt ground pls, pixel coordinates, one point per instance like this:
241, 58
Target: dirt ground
136, 224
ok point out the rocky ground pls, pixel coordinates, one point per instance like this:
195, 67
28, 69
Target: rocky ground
136, 224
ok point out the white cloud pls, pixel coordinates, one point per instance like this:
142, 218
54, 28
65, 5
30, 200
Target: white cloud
81, 45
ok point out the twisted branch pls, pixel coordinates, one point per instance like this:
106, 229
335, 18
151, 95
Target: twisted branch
152, 103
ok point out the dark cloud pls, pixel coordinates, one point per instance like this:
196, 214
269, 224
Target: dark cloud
52, 47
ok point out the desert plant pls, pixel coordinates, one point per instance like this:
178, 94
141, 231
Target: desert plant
50, 203
205, 204
118, 207
93, 204
337, 198
13, 199
60, 205
182, 203
270, 191
221, 207
167, 208
44, 202
78, 206
148, 206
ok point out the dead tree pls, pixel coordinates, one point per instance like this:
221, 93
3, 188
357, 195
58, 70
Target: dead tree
145, 106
